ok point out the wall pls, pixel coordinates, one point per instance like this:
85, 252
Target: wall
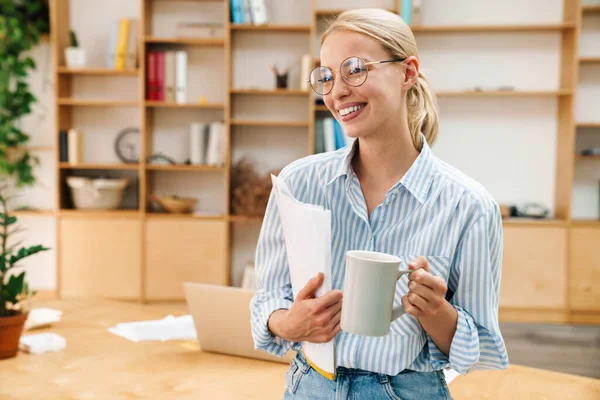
506, 143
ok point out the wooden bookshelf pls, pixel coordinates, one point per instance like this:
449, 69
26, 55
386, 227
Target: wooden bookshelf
99, 166
240, 219
590, 157
83, 213
504, 93
249, 122
33, 213
97, 71
588, 124
184, 168
169, 231
97, 103
271, 28
493, 28
162, 104
185, 41
271, 92
590, 8
589, 60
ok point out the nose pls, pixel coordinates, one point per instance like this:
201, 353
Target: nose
340, 89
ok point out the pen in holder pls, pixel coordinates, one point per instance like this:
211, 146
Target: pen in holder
281, 77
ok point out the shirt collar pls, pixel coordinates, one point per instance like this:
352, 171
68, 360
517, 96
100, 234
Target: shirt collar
417, 179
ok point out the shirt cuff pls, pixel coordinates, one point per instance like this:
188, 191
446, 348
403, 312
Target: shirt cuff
264, 339
464, 349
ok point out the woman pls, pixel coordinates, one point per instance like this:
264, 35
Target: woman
388, 193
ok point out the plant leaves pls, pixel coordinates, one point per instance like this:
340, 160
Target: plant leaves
14, 287
25, 252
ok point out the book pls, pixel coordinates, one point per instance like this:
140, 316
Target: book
160, 76
199, 133
63, 146
237, 12
307, 233
122, 43
75, 145
259, 12
132, 46
329, 134
111, 54
169, 77
151, 83
406, 11
181, 76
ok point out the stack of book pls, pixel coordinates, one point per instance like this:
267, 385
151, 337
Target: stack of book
122, 45
167, 76
329, 135
208, 143
252, 12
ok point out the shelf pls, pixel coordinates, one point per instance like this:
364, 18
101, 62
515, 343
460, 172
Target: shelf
162, 104
97, 103
503, 93
240, 219
162, 216
269, 123
36, 148
33, 213
99, 213
189, 41
581, 157
271, 92
97, 71
319, 107
590, 8
586, 222
528, 222
589, 60
336, 11
270, 28
491, 28
184, 167
99, 166
588, 124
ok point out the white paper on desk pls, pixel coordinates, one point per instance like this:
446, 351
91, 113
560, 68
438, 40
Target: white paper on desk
307, 231
168, 328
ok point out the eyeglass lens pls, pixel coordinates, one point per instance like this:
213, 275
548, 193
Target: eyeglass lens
353, 71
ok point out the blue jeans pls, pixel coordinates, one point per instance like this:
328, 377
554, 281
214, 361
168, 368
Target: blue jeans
304, 383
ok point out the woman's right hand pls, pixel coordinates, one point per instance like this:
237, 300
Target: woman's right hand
315, 320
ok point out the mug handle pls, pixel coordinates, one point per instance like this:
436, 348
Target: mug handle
397, 312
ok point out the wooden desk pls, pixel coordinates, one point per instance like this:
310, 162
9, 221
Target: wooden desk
99, 365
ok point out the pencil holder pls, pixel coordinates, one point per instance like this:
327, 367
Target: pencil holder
282, 81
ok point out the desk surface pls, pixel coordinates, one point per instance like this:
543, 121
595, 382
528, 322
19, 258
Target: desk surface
99, 365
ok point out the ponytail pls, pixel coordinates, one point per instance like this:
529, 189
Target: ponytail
422, 112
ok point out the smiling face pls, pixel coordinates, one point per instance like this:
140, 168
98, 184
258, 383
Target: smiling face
378, 104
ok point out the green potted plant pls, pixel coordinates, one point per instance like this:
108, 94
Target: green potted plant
74, 54
14, 290
20, 25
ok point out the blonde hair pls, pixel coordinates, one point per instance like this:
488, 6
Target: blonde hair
398, 40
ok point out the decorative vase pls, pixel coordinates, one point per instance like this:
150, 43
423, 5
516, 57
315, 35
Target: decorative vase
75, 57
10, 333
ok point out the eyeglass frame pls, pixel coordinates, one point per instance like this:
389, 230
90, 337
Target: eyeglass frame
367, 64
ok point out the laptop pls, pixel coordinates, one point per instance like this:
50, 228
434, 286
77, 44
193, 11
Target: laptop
222, 319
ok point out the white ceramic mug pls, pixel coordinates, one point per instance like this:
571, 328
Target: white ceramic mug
369, 288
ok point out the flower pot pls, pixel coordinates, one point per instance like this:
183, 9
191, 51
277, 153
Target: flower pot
10, 333
75, 57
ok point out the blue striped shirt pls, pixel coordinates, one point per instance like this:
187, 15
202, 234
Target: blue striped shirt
435, 211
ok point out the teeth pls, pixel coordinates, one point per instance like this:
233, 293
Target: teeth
349, 110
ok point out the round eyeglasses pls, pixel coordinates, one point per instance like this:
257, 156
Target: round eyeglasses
354, 71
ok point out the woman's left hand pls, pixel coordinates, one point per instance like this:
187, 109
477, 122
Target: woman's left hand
427, 293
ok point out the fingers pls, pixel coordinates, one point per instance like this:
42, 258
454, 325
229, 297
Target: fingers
410, 308
424, 291
308, 291
422, 277
419, 262
330, 298
418, 301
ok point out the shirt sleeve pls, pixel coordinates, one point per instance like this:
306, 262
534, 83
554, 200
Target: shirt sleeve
475, 283
273, 285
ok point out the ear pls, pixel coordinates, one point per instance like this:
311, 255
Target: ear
411, 73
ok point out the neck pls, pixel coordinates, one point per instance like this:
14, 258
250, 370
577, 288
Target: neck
385, 159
